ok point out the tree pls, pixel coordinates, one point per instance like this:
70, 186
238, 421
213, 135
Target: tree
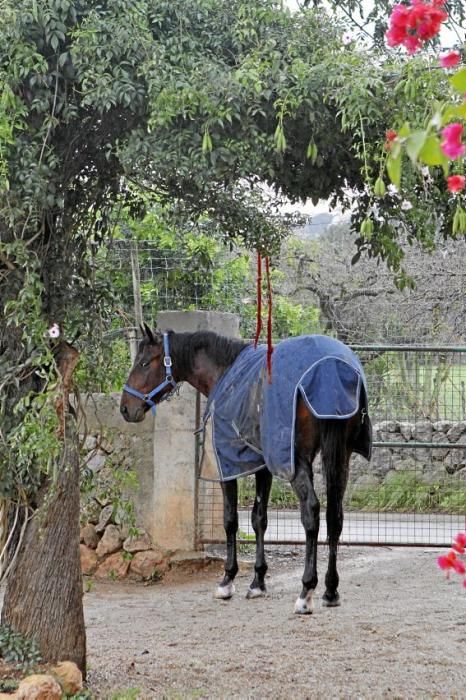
193, 101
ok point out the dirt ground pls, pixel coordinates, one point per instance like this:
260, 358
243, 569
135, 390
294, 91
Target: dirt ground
399, 633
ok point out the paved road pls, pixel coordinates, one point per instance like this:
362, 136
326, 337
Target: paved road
366, 528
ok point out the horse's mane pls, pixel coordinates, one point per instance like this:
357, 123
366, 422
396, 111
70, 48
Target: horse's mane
221, 350
184, 346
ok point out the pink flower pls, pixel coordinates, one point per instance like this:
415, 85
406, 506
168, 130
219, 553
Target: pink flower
460, 538
459, 567
451, 59
411, 26
456, 183
451, 144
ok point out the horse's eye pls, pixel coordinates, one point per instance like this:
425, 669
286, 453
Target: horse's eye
144, 363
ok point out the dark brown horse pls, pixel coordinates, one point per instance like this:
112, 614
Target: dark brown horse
202, 359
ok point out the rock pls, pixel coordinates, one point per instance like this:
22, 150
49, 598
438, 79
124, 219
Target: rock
115, 567
104, 518
422, 431
96, 462
406, 430
366, 481
110, 542
387, 426
139, 543
89, 536
148, 564
88, 560
441, 426
456, 431
69, 676
90, 443
105, 445
38, 687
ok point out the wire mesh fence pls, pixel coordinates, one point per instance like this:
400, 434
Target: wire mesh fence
413, 349
413, 492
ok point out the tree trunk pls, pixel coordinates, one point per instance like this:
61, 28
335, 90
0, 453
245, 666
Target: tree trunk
43, 598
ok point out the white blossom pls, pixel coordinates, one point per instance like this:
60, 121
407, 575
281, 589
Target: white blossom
392, 189
347, 38
406, 205
53, 331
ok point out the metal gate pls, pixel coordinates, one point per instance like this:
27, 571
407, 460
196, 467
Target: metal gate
414, 490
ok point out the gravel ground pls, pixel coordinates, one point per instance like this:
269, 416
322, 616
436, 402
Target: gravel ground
399, 633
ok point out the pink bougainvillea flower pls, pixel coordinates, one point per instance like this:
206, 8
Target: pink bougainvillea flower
450, 59
411, 26
456, 183
445, 562
459, 567
390, 136
451, 145
459, 542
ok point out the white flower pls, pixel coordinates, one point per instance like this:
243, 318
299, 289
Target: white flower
347, 38
392, 189
406, 205
53, 331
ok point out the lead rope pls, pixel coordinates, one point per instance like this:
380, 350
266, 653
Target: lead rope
269, 312
259, 300
269, 321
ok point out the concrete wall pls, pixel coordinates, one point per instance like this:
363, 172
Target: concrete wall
162, 450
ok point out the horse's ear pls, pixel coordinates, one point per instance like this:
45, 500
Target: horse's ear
146, 331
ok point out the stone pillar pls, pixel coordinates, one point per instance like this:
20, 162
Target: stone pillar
184, 508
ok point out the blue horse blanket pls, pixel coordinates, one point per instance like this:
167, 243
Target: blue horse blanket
252, 422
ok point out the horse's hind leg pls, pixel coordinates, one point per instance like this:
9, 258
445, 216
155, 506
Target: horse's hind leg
335, 457
259, 524
310, 509
226, 587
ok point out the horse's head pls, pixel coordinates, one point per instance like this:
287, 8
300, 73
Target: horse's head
150, 379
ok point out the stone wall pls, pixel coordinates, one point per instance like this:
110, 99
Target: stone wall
431, 464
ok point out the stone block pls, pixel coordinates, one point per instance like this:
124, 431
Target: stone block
149, 563
88, 560
456, 431
138, 543
89, 536
422, 431
113, 567
111, 541
38, 687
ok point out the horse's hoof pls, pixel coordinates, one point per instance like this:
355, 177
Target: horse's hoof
303, 606
328, 602
255, 593
224, 592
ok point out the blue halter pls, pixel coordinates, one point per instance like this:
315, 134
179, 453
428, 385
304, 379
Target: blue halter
169, 381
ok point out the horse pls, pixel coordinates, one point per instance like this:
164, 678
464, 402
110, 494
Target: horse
206, 360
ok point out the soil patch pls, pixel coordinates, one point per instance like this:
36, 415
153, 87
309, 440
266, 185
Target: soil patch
399, 633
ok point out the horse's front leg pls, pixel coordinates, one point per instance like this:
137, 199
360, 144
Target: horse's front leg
226, 588
310, 518
259, 524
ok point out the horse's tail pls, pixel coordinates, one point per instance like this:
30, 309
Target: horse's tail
334, 451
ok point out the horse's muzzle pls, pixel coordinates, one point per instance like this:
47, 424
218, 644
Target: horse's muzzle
132, 416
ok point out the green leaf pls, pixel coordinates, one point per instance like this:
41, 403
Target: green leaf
431, 153
454, 112
394, 168
404, 131
414, 144
458, 80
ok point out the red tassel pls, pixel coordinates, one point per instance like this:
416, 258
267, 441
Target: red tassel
269, 321
259, 299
